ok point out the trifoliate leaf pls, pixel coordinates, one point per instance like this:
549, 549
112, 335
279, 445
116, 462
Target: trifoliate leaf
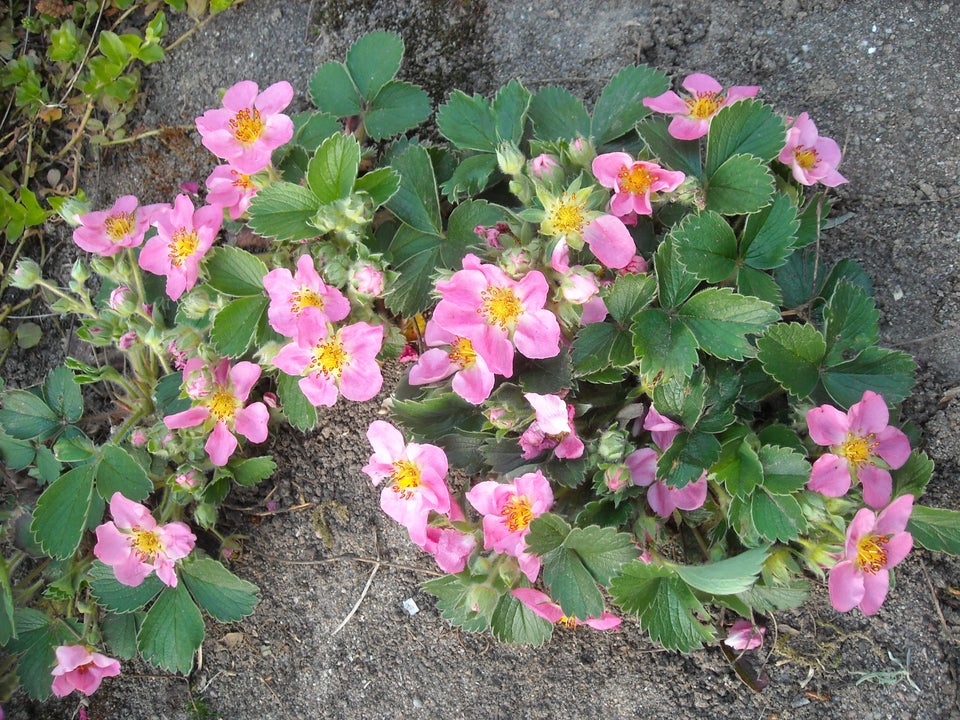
62, 510
674, 283
172, 631
744, 127
222, 594
628, 295
514, 622
791, 354
620, 105
547, 532
283, 210
380, 184
726, 577
683, 155
333, 91
471, 177
571, 585
62, 393
117, 597
785, 470
777, 517
24, 416
913, 476
118, 471
706, 245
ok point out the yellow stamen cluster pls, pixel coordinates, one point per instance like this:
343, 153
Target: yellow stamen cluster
185, 243
119, 225
858, 449
462, 353
304, 298
518, 512
247, 125
146, 543
805, 157
406, 478
223, 405
704, 104
635, 180
871, 555
567, 216
329, 357
501, 306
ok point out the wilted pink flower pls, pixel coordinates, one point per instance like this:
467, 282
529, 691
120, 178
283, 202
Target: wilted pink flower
334, 362
662, 429
862, 447
875, 543
611, 241
183, 238
484, 305
107, 232
541, 604
449, 547
300, 295
127, 340
416, 478
186, 480
221, 410
507, 510
491, 235
249, 126
553, 428
451, 355
634, 182
662, 498
693, 113
744, 635
231, 189
134, 545
79, 668
812, 159
365, 279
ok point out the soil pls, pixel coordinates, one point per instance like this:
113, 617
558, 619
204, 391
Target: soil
331, 637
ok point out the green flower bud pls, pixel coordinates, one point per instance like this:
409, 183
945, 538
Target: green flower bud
26, 275
510, 159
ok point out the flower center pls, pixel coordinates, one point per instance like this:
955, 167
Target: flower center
805, 157
858, 449
146, 544
704, 104
223, 405
184, 245
500, 306
568, 622
406, 478
871, 556
304, 298
329, 357
242, 181
247, 126
462, 353
119, 225
518, 513
635, 180
567, 217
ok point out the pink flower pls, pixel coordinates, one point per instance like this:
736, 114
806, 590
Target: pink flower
79, 668
610, 241
693, 113
494, 312
134, 545
415, 475
634, 182
365, 279
862, 447
107, 232
662, 429
186, 480
553, 428
662, 498
744, 635
231, 189
812, 159
249, 126
451, 355
541, 605
875, 543
299, 295
221, 410
507, 510
450, 548
334, 362
594, 310
578, 285
138, 438
127, 340
183, 238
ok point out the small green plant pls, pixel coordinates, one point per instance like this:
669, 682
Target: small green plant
899, 673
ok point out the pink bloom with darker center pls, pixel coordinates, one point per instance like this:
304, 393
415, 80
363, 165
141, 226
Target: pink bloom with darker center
744, 635
812, 159
634, 182
507, 510
107, 232
221, 409
451, 355
496, 313
862, 447
79, 668
553, 428
541, 605
299, 295
694, 112
231, 189
134, 545
249, 126
334, 362
875, 543
183, 238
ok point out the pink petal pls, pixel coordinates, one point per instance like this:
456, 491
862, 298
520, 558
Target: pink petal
241, 96
828, 426
251, 422
684, 128
870, 415
188, 418
877, 485
669, 103
642, 465
275, 98
610, 241
846, 586
244, 376
893, 519
830, 476
538, 335
221, 444
893, 446
875, 587
319, 389
701, 83
863, 523
606, 168
539, 603
128, 514
361, 380
474, 383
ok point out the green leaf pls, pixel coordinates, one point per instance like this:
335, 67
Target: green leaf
778, 518
743, 184
62, 393
721, 320
118, 471
745, 127
726, 577
283, 211
785, 470
37, 639
851, 322
602, 550
332, 171
172, 631
688, 456
620, 105
471, 177
416, 202
683, 155
759, 284
886, 372
468, 122
706, 245
398, 107
913, 476
222, 594
380, 184
233, 271
61, 514
236, 324
416, 257
739, 468
791, 354
120, 634
117, 597
665, 347
935, 529
333, 91
8, 627
299, 412
547, 532
16, 454
592, 347
665, 605
674, 283
373, 60
571, 584
312, 128
463, 601
112, 47
25, 416
514, 622
628, 295
437, 416
250, 471
510, 111
558, 115
769, 235
166, 395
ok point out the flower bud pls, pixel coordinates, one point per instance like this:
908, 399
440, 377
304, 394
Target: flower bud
26, 275
79, 272
365, 279
613, 445
206, 515
510, 159
616, 477
546, 168
582, 152
122, 300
